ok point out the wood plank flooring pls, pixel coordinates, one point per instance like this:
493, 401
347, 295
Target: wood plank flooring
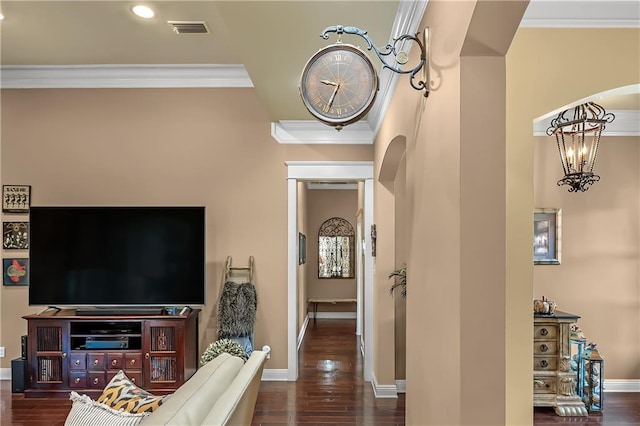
330, 391
330, 388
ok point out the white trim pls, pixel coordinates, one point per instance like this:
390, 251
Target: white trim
311, 185
123, 76
5, 373
303, 330
315, 132
330, 170
401, 385
582, 14
621, 385
383, 391
275, 375
327, 171
626, 123
579, 23
334, 315
369, 268
407, 20
292, 279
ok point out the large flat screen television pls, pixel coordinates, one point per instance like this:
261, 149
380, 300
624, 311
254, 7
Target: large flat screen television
117, 256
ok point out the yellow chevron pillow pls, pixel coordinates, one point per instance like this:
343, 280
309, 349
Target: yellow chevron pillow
123, 395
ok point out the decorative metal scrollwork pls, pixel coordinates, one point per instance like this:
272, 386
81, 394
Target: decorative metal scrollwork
400, 56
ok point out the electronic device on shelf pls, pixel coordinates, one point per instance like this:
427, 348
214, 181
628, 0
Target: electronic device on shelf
117, 257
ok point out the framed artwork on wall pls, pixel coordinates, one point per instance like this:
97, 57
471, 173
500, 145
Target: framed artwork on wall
15, 271
15, 235
16, 198
546, 236
302, 248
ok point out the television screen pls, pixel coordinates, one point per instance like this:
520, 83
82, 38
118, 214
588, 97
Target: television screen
115, 256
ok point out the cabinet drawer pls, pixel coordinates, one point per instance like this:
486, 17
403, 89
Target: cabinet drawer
77, 361
77, 380
133, 361
96, 381
544, 385
549, 363
95, 361
546, 331
545, 347
115, 361
134, 376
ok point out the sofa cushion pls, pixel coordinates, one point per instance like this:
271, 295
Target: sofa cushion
237, 404
123, 395
190, 403
85, 411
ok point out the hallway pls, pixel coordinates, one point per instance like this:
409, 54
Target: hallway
330, 388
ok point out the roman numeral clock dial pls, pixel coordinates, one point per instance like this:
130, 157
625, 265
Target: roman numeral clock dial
339, 85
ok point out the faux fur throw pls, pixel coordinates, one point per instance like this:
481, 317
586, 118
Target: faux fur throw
237, 310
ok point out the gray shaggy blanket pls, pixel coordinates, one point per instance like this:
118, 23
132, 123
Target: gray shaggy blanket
237, 310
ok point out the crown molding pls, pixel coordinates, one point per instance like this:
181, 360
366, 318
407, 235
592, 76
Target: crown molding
315, 132
408, 18
123, 76
582, 14
626, 123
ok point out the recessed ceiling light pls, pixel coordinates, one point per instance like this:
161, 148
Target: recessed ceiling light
143, 11
1, 16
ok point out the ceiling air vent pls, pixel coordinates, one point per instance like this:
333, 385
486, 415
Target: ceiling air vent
189, 27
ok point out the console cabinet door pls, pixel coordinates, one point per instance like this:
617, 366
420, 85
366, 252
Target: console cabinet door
48, 353
163, 363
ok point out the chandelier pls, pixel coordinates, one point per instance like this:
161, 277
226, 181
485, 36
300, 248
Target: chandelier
578, 137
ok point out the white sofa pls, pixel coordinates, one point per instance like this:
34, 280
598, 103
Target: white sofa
222, 392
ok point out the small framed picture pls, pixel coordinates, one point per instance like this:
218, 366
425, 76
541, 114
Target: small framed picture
547, 230
16, 198
15, 235
302, 248
15, 271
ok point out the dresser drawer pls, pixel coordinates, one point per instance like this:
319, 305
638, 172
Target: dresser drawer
95, 361
96, 381
133, 361
115, 361
77, 380
547, 363
77, 361
544, 385
545, 347
545, 331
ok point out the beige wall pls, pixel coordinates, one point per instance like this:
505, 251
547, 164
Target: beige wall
209, 147
539, 80
598, 275
401, 255
323, 204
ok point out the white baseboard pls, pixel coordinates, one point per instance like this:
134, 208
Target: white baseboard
275, 375
401, 385
621, 385
5, 373
335, 315
303, 330
383, 391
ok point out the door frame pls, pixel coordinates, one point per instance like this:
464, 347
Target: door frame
360, 171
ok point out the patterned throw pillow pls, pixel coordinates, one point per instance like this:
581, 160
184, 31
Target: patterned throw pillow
123, 395
85, 411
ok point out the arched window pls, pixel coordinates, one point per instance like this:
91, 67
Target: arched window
336, 250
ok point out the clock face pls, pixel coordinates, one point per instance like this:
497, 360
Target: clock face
339, 84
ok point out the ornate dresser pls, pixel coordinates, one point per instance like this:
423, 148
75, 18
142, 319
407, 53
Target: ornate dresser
554, 381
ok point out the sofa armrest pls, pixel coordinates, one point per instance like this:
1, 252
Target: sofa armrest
236, 405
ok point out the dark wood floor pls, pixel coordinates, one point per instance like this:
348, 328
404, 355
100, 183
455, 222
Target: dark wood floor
330, 388
329, 391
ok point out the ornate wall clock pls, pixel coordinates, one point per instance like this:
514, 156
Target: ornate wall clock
339, 84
